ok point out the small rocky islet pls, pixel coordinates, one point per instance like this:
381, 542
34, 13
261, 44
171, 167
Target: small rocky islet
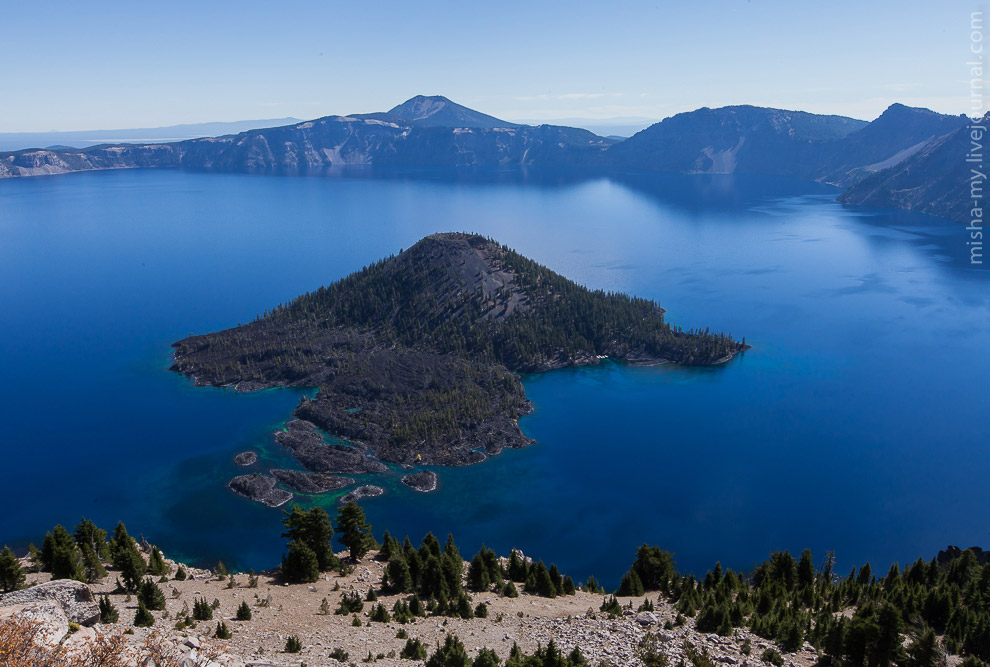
246, 458
361, 492
417, 358
424, 481
260, 488
310, 482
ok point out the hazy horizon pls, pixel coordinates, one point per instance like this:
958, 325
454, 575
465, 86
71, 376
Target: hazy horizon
575, 121
153, 66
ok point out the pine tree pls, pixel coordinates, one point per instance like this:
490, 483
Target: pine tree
806, 569
34, 558
517, 569
555, 578
380, 614
60, 555
11, 572
390, 547
432, 583
87, 534
143, 618
888, 645
631, 585
430, 546
413, 650
312, 528
127, 558
350, 603
654, 567
463, 607
355, 531
151, 595
611, 606
92, 567
451, 654
108, 612
542, 583
301, 565
398, 575
486, 658
222, 631
923, 651
477, 576
156, 563
592, 586
202, 611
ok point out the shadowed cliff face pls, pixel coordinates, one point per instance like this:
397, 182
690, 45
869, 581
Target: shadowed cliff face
414, 354
334, 141
935, 179
784, 143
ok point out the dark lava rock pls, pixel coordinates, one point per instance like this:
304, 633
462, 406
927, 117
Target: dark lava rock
424, 480
366, 491
310, 482
246, 458
260, 488
395, 389
302, 439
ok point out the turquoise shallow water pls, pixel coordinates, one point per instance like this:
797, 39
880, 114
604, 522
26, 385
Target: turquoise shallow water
856, 423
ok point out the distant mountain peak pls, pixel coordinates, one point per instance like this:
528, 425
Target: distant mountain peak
438, 111
421, 107
897, 110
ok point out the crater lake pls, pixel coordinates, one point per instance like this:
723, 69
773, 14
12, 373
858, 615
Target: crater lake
857, 422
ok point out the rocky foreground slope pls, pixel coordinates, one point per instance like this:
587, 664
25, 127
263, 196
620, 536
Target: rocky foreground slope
279, 611
267, 623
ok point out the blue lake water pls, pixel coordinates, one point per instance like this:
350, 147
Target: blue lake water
857, 423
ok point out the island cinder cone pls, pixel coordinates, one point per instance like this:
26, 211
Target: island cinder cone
416, 355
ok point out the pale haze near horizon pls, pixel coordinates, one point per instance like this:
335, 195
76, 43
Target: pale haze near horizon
79, 66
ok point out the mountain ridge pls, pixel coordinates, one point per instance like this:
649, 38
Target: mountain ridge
432, 131
748, 139
935, 179
438, 111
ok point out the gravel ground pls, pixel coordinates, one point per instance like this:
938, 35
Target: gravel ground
279, 611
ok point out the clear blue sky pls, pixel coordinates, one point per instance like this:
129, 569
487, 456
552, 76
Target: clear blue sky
71, 65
